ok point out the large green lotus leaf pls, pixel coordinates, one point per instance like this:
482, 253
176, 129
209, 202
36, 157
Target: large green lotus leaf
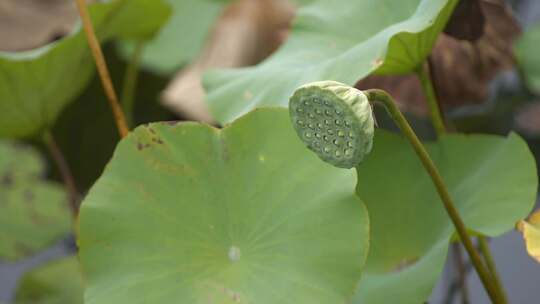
181, 38
528, 59
492, 180
337, 40
33, 212
56, 282
187, 213
36, 85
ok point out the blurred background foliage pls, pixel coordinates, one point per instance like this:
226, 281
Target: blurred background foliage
486, 71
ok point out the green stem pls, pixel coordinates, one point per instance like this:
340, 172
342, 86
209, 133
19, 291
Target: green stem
488, 257
381, 96
436, 117
424, 75
462, 275
130, 82
434, 109
65, 172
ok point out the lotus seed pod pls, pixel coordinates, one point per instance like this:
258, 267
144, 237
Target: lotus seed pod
334, 120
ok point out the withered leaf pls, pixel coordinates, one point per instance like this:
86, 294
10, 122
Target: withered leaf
28, 24
531, 234
246, 33
528, 119
467, 21
461, 70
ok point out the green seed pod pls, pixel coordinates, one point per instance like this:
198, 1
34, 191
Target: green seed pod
334, 120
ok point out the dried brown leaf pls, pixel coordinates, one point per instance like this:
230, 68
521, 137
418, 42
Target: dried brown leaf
467, 21
246, 33
28, 24
461, 70
528, 119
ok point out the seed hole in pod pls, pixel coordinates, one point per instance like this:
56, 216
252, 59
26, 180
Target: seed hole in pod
308, 134
319, 125
326, 103
349, 144
326, 138
347, 123
328, 112
330, 131
311, 115
337, 142
318, 135
300, 122
327, 122
327, 149
351, 134
318, 111
316, 100
337, 153
340, 133
338, 112
300, 110
306, 103
337, 122
311, 126
348, 152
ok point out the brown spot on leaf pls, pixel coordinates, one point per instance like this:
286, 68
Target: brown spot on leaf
377, 63
406, 262
171, 122
157, 140
142, 146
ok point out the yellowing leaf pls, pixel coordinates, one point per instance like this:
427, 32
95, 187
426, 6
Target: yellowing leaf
531, 233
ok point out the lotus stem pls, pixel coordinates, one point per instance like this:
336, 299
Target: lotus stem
64, 170
375, 95
103, 71
423, 73
336, 122
483, 243
130, 82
